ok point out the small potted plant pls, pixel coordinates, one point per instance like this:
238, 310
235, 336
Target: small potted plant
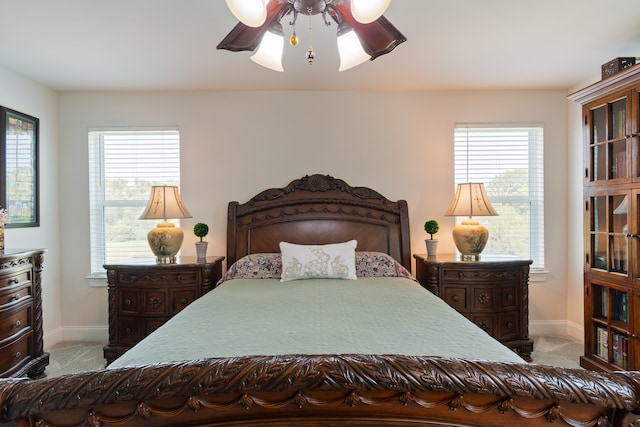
200, 230
431, 227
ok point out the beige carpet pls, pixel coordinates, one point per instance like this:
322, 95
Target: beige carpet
73, 357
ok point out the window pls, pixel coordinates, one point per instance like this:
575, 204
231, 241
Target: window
508, 159
123, 165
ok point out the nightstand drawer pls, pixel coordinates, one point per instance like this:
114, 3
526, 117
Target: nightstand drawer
183, 298
483, 299
155, 302
160, 277
130, 330
508, 326
456, 297
509, 298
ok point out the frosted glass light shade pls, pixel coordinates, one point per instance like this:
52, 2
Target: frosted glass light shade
252, 13
269, 53
367, 11
351, 51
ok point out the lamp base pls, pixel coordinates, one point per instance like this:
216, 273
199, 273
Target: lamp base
165, 241
470, 238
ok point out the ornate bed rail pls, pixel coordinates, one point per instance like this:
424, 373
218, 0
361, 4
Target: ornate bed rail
349, 389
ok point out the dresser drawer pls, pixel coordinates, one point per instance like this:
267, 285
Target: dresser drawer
14, 278
480, 275
14, 294
136, 277
15, 354
14, 321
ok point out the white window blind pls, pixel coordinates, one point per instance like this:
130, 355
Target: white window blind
508, 159
123, 165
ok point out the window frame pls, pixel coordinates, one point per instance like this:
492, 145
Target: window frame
98, 201
465, 157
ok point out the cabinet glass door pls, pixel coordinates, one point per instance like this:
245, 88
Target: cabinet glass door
610, 325
608, 150
609, 240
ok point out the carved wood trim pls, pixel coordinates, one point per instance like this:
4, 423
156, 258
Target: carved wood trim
310, 381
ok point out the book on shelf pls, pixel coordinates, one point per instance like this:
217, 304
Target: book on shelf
602, 347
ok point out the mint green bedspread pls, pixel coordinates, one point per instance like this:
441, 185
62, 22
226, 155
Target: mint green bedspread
375, 315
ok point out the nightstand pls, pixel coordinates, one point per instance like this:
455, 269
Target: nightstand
492, 292
143, 295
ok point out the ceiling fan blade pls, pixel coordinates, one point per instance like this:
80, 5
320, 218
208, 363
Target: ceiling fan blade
378, 37
242, 37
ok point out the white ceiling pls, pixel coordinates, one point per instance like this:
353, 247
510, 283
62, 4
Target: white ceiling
452, 44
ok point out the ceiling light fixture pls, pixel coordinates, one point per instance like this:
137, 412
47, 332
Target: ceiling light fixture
363, 32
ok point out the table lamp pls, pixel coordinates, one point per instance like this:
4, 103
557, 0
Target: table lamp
470, 237
165, 240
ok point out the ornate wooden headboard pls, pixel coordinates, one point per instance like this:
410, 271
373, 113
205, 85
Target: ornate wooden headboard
319, 209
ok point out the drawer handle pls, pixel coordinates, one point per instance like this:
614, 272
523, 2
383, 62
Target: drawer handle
16, 280
18, 323
127, 301
484, 326
18, 355
456, 298
183, 301
16, 297
128, 330
509, 325
509, 297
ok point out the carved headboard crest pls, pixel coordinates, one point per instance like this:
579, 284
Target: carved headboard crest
315, 183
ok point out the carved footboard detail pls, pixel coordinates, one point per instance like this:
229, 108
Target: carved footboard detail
328, 387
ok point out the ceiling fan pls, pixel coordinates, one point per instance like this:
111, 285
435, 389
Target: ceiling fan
363, 32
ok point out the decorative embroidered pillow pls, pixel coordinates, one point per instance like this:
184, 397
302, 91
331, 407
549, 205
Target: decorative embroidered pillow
333, 261
255, 266
378, 264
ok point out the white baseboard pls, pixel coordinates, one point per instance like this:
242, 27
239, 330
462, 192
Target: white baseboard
557, 327
76, 333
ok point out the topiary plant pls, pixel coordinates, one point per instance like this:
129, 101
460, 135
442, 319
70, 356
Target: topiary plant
200, 230
431, 227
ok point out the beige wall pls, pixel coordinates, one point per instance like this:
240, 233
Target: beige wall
235, 144
21, 94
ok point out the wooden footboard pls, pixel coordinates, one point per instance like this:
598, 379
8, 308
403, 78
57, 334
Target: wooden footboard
326, 390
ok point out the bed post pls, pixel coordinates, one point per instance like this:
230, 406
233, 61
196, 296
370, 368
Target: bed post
232, 231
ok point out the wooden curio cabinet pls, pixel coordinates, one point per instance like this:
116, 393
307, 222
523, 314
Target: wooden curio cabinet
611, 119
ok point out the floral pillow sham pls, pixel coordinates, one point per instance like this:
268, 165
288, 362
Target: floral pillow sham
269, 266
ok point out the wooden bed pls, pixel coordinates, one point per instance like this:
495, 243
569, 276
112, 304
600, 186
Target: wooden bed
324, 390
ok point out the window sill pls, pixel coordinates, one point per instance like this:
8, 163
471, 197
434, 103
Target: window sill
97, 281
538, 275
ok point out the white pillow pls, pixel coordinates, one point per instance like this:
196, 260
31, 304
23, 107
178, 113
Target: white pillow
334, 261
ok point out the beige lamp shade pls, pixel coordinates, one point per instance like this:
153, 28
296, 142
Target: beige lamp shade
470, 237
166, 239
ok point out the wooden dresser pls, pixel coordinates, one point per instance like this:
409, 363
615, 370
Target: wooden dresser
493, 293
143, 295
21, 343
